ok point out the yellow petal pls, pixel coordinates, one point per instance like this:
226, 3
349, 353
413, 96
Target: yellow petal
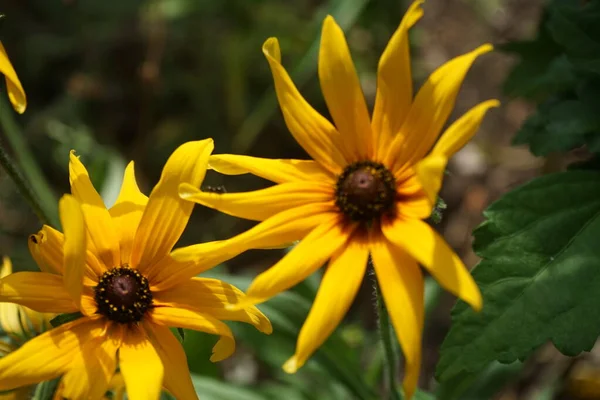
140, 365
48, 355
71, 218
166, 215
210, 296
46, 248
463, 129
16, 94
310, 129
127, 212
259, 205
430, 172
430, 110
308, 256
285, 227
340, 284
189, 319
343, 94
275, 170
394, 83
91, 369
427, 247
6, 267
102, 233
177, 379
401, 283
39, 291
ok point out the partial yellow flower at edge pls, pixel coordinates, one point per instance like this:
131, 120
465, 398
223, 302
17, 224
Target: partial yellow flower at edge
115, 267
16, 94
365, 193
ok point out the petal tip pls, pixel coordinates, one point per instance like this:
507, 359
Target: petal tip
291, 366
271, 49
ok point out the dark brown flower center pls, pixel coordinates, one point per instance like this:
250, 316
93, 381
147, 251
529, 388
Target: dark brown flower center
365, 190
123, 295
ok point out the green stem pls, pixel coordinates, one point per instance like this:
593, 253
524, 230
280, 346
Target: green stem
24, 189
38, 189
386, 333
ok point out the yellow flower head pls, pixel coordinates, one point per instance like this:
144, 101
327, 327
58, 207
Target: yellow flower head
114, 267
16, 94
371, 183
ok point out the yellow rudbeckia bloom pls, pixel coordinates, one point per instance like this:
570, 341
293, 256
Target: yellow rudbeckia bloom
114, 266
371, 183
16, 94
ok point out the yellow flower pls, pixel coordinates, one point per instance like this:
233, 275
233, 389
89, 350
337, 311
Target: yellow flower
370, 185
16, 94
114, 266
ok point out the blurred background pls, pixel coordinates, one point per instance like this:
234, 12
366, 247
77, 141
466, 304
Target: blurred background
132, 80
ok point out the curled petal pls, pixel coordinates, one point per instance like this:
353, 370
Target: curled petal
16, 94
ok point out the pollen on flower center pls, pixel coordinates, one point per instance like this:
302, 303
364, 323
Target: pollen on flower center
123, 295
365, 190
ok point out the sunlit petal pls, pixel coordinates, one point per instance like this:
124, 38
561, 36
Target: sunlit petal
75, 250
427, 247
140, 365
127, 212
394, 83
189, 319
339, 286
99, 224
166, 215
401, 284
342, 92
430, 110
210, 296
39, 291
275, 170
177, 379
260, 204
16, 94
310, 129
430, 172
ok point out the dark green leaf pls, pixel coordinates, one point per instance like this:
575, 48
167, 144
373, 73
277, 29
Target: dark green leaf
45, 390
539, 276
181, 334
64, 318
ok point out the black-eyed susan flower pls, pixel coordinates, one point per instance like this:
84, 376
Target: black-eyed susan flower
114, 267
370, 184
16, 94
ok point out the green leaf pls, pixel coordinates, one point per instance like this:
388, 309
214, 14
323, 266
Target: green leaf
539, 276
64, 318
45, 390
181, 334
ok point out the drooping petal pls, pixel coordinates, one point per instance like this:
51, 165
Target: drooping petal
430, 110
462, 130
343, 94
177, 379
259, 205
75, 249
210, 296
16, 94
140, 365
46, 248
285, 227
394, 83
338, 288
188, 319
39, 291
127, 212
48, 355
427, 247
91, 369
430, 172
275, 170
101, 230
308, 256
310, 129
166, 215
401, 284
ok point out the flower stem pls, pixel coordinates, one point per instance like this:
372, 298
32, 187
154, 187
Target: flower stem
386, 333
22, 186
